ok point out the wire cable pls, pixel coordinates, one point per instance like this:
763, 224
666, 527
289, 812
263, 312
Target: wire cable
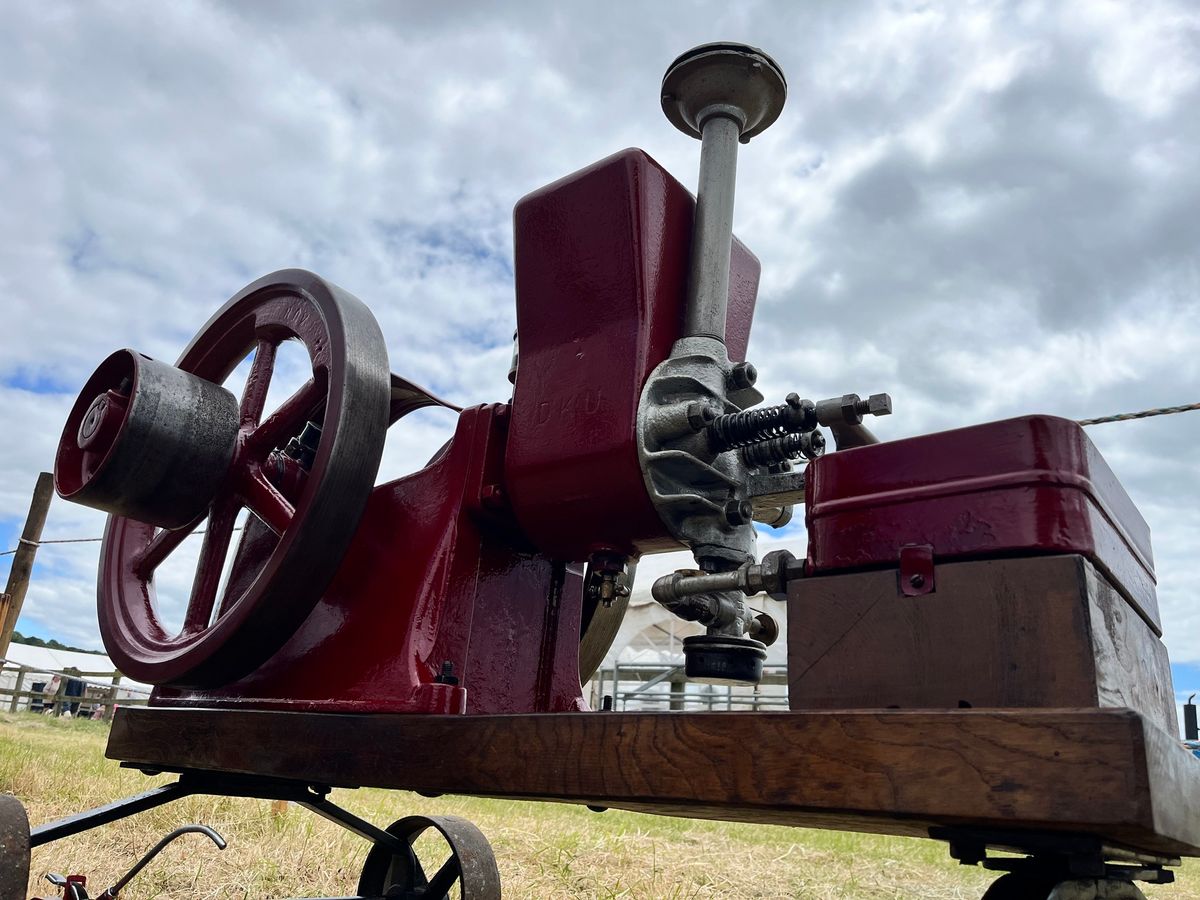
92, 540
1144, 414
1102, 420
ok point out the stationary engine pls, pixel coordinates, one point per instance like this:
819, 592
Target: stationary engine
974, 649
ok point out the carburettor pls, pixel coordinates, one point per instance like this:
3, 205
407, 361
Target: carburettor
698, 442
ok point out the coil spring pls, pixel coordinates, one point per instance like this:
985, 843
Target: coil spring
753, 425
772, 451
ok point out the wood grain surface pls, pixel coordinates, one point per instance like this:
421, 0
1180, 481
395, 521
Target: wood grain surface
1046, 631
1104, 772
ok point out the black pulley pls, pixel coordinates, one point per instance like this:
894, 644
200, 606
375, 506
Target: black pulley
724, 659
147, 441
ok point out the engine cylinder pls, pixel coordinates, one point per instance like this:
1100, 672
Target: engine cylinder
147, 441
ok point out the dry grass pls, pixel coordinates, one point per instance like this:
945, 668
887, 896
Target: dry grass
544, 850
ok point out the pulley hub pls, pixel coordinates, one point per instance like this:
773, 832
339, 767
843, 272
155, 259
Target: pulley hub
147, 441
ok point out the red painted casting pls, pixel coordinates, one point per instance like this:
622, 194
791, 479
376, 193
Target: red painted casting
435, 574
476, 559
1022, 486
601, 273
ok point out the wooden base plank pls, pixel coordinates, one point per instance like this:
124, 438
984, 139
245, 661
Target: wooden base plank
1102, 772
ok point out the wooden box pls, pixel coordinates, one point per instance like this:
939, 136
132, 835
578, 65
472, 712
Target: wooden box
1046, 631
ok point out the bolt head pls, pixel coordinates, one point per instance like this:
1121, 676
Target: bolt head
879, 405
492, 497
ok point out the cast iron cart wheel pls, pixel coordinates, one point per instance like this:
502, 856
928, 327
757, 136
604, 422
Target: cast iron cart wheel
1097, 889
470, 864
14, 849
1040, 886
348, 393
1021, 886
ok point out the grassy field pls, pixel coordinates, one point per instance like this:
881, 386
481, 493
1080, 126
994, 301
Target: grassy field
57, 767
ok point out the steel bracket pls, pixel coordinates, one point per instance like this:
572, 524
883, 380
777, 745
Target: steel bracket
916, 570
311, 797
1065, 856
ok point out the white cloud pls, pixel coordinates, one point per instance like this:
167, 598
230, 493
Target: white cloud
986, 209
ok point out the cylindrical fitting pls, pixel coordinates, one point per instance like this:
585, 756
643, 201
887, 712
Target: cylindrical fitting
147, 441
770, 576
712, 230
670, 590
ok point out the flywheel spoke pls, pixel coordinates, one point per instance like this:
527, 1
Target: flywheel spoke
287, 419
265, 501
162, 545
447, 875
209, 567
258, 383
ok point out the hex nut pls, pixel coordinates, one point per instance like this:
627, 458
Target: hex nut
700, 415
774, 573
849, 407
739, 512
752, 580
743, 376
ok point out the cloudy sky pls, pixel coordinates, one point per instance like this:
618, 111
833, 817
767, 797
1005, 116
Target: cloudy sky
985, 209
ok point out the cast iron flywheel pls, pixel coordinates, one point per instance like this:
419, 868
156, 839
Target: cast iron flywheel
156, 445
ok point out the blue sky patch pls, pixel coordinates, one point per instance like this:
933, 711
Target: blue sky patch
41, 382
1186, 678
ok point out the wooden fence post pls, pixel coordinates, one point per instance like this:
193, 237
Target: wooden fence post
17, 689
112, 697
22, 564
57, 707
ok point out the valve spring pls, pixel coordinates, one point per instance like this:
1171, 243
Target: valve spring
750, 426
773, 451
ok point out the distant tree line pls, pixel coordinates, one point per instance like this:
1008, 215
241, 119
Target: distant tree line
51, 644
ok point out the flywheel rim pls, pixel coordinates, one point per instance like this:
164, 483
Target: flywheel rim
351, 383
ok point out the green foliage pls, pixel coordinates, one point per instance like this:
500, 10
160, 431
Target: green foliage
51, 644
